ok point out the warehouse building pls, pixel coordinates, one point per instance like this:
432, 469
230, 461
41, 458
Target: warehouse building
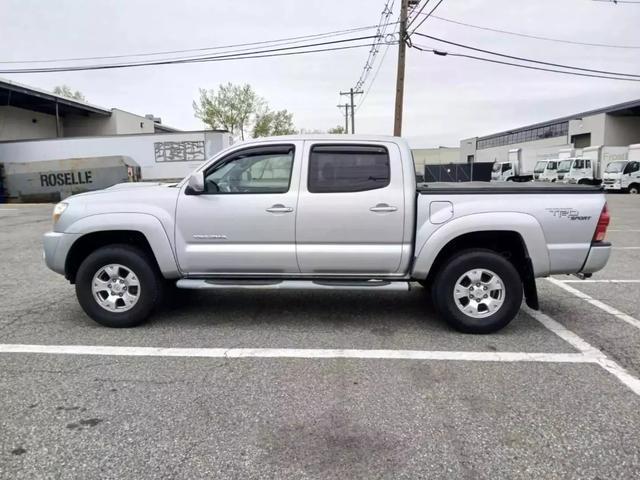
28, 113
615, 125
52, 147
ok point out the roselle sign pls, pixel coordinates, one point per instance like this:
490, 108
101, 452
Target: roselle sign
65, 178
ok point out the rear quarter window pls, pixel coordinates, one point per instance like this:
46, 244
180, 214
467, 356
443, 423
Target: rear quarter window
348, 168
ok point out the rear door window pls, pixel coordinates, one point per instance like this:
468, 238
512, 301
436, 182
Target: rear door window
348, 168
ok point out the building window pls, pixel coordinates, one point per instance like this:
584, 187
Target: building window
528, 135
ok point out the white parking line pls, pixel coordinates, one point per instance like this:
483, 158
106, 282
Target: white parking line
622, 230
590, 352
297, 353
625, 248
597, 303
599, 281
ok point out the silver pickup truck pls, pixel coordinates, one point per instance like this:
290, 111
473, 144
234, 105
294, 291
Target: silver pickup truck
325, 212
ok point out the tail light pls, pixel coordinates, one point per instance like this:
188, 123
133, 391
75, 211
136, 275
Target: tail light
603, 223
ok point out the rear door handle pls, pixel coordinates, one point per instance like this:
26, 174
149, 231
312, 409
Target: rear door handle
279, 208
383, 207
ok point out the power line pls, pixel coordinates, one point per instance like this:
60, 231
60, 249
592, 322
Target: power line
414, 14
254, 54
513, 57
530, 67
297, 39
616, 1
426, 16
536, 37
383, 24
375, 75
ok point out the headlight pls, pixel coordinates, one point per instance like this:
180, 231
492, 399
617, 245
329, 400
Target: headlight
59, 210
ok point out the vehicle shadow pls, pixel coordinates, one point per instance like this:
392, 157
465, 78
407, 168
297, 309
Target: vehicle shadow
382, 313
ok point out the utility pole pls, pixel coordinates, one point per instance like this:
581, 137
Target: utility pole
346, 116
351, 93
402, 48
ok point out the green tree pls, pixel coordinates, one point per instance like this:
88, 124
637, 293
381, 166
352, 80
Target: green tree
65, 91
232, 107
270, 123
337, 129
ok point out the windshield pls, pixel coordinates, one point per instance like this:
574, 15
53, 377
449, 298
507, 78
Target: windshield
615, 167
564, 166
552, 165
539, 168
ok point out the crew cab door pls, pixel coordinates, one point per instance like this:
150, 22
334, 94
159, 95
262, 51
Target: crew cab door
350, 218
244, 222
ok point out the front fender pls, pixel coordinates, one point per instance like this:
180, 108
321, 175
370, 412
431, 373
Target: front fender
435, 239
144, 223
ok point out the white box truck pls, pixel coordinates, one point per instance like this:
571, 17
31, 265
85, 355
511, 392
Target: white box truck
588, 168
624, 175
516, 169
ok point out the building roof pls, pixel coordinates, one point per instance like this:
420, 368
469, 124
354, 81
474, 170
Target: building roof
630, 108
30, 98
22, 96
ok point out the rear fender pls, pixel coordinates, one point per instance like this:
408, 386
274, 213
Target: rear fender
524, 224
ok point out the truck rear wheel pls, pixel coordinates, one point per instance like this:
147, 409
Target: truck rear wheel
478, 291
117, 286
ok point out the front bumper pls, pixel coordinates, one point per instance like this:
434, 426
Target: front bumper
597, 258
612, 186
56, 246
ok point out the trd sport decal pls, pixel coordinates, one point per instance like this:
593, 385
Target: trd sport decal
568, 213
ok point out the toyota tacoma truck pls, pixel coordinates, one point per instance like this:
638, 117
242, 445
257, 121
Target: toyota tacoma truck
325, 212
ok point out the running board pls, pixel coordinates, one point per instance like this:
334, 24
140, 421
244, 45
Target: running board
221, 284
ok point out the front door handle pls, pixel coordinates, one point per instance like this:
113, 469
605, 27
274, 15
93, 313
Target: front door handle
383, 207
279, 208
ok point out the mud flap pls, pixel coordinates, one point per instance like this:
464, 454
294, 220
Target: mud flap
529, 285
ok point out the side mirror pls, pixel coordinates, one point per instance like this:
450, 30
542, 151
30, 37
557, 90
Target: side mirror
195, 185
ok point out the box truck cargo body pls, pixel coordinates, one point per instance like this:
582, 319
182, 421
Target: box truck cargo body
516, 169
54, 180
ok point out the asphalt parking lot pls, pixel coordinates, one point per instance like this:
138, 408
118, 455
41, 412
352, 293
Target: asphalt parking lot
319, 384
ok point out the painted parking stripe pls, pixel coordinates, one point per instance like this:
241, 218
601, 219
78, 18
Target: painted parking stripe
597, 303
588, 280
587, 349
308, 353
623, 230
625, 248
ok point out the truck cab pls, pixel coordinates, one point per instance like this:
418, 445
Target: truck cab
502, 172
546, 171
577, 170
539, 168
622, 176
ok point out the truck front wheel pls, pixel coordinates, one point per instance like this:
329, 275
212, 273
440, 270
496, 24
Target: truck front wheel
117, 286
634, 188
478, 291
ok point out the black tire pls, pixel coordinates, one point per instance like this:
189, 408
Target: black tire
135, 259
465, 261
634, 188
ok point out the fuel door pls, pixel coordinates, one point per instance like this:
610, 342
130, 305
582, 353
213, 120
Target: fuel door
440, 212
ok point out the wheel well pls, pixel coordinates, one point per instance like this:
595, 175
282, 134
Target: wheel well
90, 242
509, 244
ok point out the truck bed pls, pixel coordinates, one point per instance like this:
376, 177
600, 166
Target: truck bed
502, 188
